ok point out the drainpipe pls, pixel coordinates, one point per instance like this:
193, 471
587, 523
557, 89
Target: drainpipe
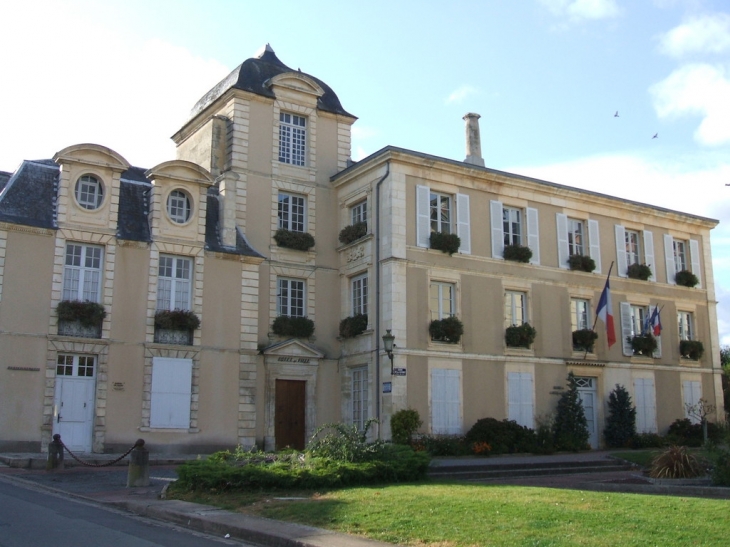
378, 393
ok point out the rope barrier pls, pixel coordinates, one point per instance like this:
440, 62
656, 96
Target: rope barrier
139, 443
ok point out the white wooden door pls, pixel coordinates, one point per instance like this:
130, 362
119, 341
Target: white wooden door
587, 394
73, 413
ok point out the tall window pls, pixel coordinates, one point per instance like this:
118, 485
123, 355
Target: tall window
575, 237
174, 283
292, 212
89, 192
360, 295
359, 212
680, 255
82, 272
291, 297
686, 329
579, 314
633, 250
292, 138
638, 319
512, 226
440, 213
445, 402
359, 397
443, 300
520, 403
178, 206
515, 308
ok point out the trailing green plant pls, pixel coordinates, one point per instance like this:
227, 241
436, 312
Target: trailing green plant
676, 462
639, 271
517, 253
584, 339
691, 349
403, 424
449, 329
520, 336
503, 436
686, 278
442, 241
581, 263
296, 327
354, 325
643, 344
89, 314
176, 320
300, 241
621, 419
345, 443
570, 427
353, 232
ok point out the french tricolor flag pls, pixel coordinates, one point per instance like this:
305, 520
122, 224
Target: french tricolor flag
605, 311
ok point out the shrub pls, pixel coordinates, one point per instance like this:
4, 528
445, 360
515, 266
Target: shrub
353, 232
345, 443
643, 344
584, 339
449, 329
721, 468
581, 263
176, 320
683, 432
448, 243
621, 420
518, 253
300, 241
504, 437
686, 278
520, 336
89, 314
639, 271
691, 349
297, 327
352, 326
647, 440
676, 462
481, 449
544, 442
570, 428
403, 424
444, 445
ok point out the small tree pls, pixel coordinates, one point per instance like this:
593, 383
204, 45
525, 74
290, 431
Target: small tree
570, 429
403, 424
701, 411
621, 419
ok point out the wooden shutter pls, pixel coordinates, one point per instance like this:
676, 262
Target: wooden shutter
423, 216
649, 253
446, 401
462, 223
533, 235
495, 210
692, 394
170, 394
626, 328
561, 220
594, 241
669, 259
694, 257
521, 408
645, 405
622, 262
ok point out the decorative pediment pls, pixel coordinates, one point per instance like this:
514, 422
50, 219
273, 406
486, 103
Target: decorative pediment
296, 81
92, 154
294, 349
182, 171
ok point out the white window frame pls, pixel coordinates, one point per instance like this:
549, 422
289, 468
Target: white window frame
179, 206
512, 217
170, 393
83, 277
292, 212
515, 305
442, 299
291, 297
75, 365
530, 230
89, 192
580, 314
576, 237
359, 212
461, 221
446, 402
359, 390
359, 291
633, 322
685, 325
680, 254
633, 247
565, 249
437, 204
520, 398
174, 289
292, 139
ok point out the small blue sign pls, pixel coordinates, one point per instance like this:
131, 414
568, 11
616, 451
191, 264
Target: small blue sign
387, 387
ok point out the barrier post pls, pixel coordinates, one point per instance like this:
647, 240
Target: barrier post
139, 466
55, 454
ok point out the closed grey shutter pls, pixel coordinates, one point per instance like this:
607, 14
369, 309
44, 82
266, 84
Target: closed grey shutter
561, 220
495, 211
423, 217
694, 256
170, 392
622, 262
462, 223
669, 259
649, 253
595, 244
533, 235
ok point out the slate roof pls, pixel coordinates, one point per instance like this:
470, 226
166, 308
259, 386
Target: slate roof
29, 196
252, 75
4, 178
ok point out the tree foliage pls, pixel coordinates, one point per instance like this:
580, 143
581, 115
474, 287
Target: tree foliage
621, 420
570, 428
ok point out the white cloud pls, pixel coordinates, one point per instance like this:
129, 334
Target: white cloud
706, 34
578, 10
699, 89
458, 95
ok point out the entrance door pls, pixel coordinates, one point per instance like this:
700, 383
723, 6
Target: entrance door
289, 414
73, 413
587, 394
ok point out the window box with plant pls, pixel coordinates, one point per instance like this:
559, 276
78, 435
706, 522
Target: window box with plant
584, 339
686, 279
295, 327
520, 336
448, 329
299, 241
691, 349
175, 326
581, 263
643, 344
445, 242
639, 271
517, 253
353, 326
76, 318
353, 232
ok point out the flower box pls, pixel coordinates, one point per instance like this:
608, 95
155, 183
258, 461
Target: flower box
517, 253
448, 329
686, 279
581, 263
691, 349
643, 344
82, 319
299, 241
296, 327
520, 336
448, 243
584, 339
353, 326
639, 271
353, 232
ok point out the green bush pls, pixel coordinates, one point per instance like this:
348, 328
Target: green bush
676, 462
581, 263
544, 441
520, 336
621, 420
352, 326
686, 278
297, 327
403, 424
89, 314
300, 241
176, 320
643, 344
691, 349
443, 445
505, 436
517, 253
584, 339
448, 243
683, 432
448, 329
353, 232
345, 443
721, 468
647, 440
570, 428
639, 271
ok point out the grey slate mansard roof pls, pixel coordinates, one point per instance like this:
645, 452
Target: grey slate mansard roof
28, 198
252, 75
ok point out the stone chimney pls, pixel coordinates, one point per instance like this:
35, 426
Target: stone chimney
473, 140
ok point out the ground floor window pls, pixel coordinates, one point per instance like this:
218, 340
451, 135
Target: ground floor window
170, 393
521, 407
645, 399
360, 397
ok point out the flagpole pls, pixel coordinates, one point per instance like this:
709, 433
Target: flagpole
595, 321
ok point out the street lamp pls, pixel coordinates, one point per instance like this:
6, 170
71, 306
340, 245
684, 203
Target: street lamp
388, 345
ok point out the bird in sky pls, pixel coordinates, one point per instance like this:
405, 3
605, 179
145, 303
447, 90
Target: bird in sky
656, 136
616, 114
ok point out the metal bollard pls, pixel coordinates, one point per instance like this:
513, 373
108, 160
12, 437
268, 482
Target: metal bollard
139, 466
55, 454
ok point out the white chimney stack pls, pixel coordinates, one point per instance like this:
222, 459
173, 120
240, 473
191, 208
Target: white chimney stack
473, 140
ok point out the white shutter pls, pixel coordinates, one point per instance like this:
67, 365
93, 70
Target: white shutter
520, 405
533, 235
649, 253
495, 210
692, 394
446, 401
423, 216
513, 396
561, 220
658, 351
622, 263
694, 256
462, 223
595, 244
669, 259
645, 405
626, 328
170, 393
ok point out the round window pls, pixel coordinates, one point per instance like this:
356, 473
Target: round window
89, 192
178, 206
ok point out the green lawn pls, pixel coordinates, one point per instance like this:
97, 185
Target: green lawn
453, 515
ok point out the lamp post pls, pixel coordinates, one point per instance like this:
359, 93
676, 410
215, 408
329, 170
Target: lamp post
388, 345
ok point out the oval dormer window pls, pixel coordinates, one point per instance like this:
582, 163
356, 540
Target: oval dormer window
178, 206
89, 192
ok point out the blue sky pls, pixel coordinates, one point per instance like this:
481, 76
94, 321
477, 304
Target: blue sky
546, 76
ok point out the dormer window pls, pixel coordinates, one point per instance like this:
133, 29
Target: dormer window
178, 207
89, 192
292, 138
